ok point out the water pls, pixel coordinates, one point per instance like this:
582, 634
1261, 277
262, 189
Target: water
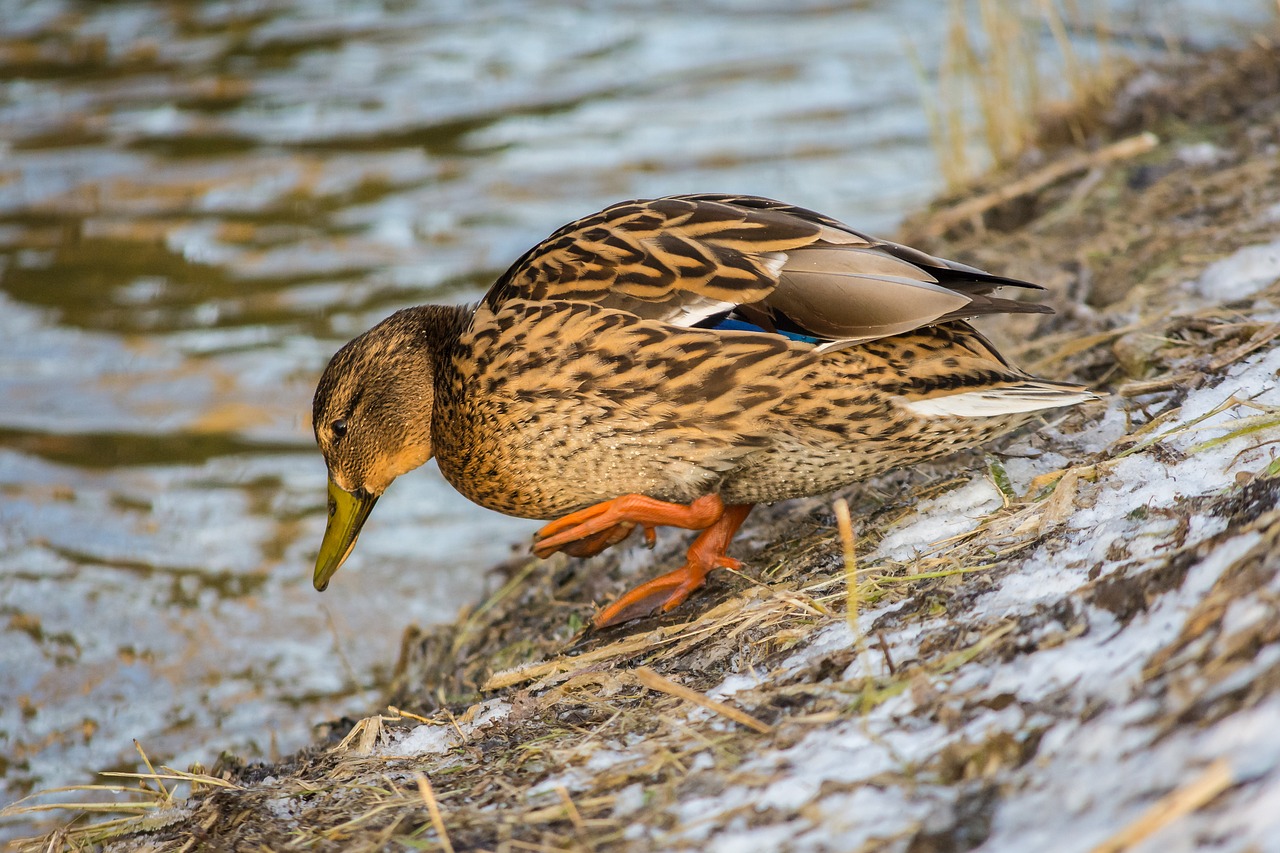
200, 202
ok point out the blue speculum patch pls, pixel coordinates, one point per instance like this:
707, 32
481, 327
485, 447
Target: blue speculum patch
735, 325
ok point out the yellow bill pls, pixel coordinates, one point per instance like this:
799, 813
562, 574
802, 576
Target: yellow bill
347, 512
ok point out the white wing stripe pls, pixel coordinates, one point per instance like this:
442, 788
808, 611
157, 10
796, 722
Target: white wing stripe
995, 402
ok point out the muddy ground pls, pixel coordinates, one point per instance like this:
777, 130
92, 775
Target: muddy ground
1043, 654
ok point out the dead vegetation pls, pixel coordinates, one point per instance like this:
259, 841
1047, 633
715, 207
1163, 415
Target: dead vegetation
542, 736
991, 84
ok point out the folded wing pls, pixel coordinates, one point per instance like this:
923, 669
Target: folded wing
735, 262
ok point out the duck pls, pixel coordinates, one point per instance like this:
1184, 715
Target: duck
674, 362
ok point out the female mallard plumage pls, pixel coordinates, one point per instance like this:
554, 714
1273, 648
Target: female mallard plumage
673, 362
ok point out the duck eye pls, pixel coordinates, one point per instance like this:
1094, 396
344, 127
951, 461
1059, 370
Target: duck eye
339, 427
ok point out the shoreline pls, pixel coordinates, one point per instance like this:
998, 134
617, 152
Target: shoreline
1003, 651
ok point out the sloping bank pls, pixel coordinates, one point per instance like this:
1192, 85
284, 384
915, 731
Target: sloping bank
1069, 643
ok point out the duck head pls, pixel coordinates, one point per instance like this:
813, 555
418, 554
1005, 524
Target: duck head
372, 419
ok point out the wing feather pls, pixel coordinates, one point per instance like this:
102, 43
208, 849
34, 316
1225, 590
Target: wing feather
696, 260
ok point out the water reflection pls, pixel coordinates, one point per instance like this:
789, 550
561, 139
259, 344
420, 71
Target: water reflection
200, 202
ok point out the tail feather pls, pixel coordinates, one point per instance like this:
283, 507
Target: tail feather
1004, 400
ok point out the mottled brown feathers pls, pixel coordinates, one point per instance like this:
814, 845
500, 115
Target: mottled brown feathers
676, 348
688, 259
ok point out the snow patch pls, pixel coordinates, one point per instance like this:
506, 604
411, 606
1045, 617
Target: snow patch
734, 684
425, 740
1201, 154
940, 518
1242, 274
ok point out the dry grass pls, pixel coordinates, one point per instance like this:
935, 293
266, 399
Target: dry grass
147, 805
992, 84
1216, 778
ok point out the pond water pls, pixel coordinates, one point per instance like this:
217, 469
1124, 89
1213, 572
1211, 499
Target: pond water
199, 202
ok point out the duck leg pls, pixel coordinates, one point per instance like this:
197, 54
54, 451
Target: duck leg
589, 531
591, 545
670, 590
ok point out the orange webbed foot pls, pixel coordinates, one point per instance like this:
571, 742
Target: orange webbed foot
670, 590
662, 593
589, 546
589, 531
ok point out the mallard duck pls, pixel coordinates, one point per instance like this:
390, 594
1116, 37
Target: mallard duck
673, 361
